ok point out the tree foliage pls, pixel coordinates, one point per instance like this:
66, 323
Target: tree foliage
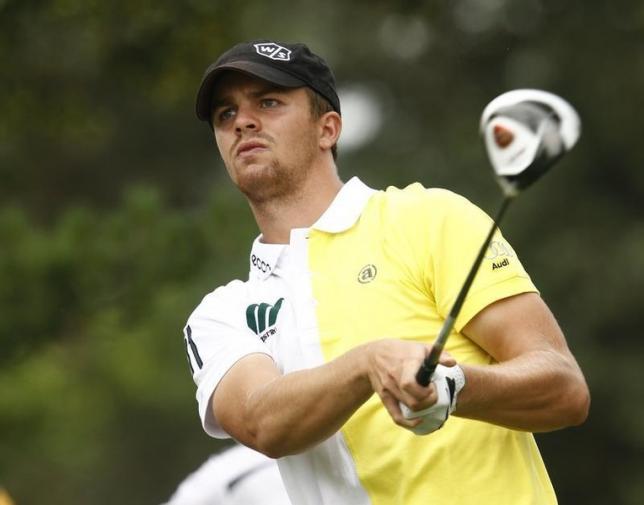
116, 217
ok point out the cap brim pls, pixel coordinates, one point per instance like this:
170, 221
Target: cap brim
265, 72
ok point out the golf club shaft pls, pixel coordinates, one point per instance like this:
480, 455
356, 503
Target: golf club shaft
428, 366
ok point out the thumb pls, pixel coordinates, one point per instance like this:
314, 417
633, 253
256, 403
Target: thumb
446, 359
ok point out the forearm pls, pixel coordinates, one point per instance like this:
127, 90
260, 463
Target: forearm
538, 391
292, 412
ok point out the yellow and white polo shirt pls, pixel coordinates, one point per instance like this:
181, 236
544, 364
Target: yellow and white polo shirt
377, 264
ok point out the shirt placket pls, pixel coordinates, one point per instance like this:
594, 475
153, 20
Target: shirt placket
297, 279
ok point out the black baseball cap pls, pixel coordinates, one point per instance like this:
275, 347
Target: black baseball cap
286, 65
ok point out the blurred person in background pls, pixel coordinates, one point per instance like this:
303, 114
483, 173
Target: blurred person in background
348, 287
236, 476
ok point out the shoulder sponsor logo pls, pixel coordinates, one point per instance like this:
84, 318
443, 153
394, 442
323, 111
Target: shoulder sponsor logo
497, 249
499, 253
261, 318
367, 274
500, 264
260, 264
273, 51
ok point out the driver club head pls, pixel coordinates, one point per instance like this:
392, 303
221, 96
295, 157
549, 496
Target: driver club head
525, 132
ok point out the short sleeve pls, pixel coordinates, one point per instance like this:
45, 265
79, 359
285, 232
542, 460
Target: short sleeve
216, 338
456, 231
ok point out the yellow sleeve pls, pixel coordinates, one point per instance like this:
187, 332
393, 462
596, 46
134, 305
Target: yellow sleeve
457, 229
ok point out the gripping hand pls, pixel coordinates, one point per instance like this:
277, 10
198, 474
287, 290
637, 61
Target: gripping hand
448, 381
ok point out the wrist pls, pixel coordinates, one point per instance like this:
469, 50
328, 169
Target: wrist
360, 366
458, 374
461, 379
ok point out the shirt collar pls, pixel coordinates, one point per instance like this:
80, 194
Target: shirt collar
263, 257
346, 207
342, 214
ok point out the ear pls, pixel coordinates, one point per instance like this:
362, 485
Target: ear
330, 128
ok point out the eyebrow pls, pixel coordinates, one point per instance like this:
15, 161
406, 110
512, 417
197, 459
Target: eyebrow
263, 90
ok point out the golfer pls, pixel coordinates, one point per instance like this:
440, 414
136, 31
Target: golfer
310, 359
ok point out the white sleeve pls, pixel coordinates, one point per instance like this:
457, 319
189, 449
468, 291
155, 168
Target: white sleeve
216, 337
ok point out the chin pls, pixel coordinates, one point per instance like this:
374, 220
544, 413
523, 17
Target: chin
261, 183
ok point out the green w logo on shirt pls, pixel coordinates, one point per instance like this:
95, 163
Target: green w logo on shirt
261, 318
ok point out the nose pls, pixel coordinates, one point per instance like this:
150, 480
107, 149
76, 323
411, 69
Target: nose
246, 120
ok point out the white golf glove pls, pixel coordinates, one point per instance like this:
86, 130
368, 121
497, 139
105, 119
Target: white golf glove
449, 381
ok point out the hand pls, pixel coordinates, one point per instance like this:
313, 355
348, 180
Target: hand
448, 382
392, 367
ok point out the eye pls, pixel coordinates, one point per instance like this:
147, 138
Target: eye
269, 103
222, 113
225, 114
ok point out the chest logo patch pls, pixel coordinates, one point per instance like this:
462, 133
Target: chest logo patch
261, 318
367, 274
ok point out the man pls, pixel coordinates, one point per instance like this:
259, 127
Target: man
236, 476
348, 286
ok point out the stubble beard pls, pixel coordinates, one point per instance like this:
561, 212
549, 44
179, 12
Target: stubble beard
276, 182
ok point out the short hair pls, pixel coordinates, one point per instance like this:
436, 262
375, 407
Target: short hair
319, 107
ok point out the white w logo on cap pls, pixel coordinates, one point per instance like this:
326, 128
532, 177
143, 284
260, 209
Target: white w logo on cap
273, 51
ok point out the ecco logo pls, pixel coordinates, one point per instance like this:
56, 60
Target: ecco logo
261, 318
273, 51
367, 274
260, 264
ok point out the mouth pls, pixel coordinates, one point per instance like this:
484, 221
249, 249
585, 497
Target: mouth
250, 147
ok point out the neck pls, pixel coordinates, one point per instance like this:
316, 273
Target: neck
276, 218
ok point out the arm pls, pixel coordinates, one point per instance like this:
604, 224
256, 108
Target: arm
537, 384
285, 414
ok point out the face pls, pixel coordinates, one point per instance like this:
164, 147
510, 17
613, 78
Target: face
266, 135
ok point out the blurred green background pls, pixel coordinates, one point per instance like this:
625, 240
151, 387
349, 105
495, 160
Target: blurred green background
116, 215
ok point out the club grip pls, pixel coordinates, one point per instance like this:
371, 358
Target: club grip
424, 374
426, 370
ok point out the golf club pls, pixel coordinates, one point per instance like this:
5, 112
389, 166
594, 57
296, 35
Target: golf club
525, 132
